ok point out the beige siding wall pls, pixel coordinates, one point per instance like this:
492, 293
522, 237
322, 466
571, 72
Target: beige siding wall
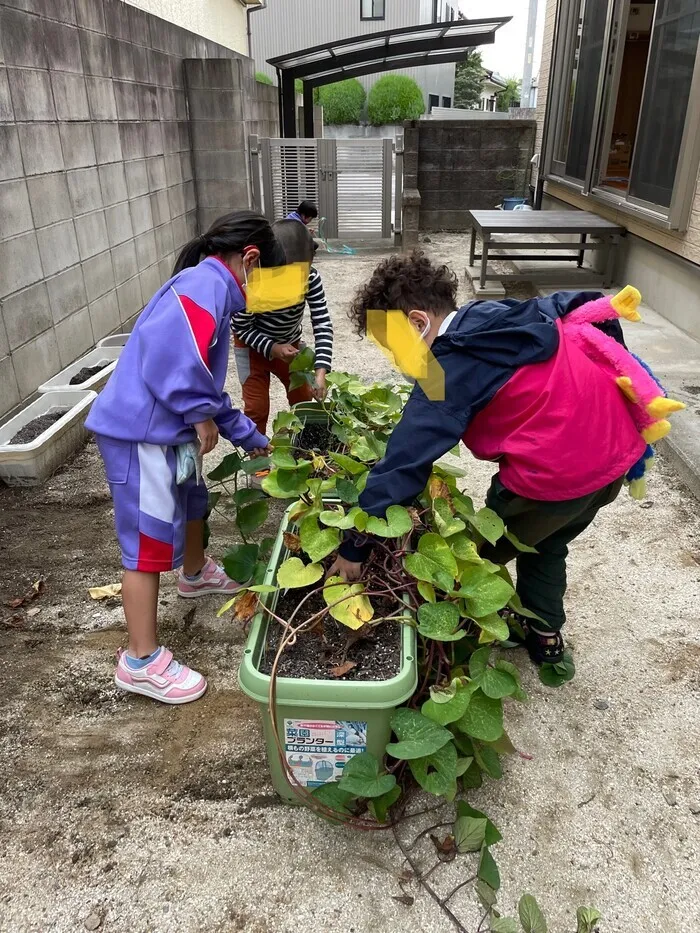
222, 21
686, 245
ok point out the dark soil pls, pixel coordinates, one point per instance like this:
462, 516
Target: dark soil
31, 431
87, 372
316, 437
377, 656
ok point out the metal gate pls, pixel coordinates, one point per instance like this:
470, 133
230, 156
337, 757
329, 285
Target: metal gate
351, 181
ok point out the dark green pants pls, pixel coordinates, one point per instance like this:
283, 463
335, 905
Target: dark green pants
549, 527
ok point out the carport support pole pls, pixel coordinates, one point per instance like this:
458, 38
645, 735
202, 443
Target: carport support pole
288, 116
309, 131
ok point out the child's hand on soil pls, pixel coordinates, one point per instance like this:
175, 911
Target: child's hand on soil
284, 351
208, 435
349, 570
320, 388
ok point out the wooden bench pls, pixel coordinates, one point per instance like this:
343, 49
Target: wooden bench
580, 224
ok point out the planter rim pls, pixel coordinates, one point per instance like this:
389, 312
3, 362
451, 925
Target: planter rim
61, 381
78, 401
357, 694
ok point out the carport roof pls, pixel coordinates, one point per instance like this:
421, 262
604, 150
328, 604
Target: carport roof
385, 51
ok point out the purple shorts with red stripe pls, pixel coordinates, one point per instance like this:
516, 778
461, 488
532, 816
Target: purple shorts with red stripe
150, 509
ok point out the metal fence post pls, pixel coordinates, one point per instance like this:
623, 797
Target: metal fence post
398, 190
254, 156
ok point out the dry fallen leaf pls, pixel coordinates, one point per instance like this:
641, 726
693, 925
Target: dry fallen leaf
445, 848
438, 489
34, 611
291, 542
343, 669
34, 593
108, 591
15, 621
404, 899
244, 607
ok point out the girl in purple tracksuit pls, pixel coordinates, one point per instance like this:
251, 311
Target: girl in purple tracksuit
165, 395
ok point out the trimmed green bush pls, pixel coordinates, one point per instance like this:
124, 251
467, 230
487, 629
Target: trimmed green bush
263, 78
342, 102
393, 99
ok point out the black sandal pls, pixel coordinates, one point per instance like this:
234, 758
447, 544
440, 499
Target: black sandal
543, 648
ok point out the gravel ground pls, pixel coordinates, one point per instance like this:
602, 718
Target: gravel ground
122, 815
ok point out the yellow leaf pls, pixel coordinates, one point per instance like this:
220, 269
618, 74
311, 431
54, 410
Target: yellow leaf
351, 607
105, 592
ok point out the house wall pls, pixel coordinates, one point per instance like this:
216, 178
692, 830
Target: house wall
468, 165
222, 21
686, 245
97, 188
290, 25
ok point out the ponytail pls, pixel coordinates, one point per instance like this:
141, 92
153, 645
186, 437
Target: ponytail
231, 234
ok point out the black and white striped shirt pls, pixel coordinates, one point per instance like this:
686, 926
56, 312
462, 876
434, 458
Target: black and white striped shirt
261, 332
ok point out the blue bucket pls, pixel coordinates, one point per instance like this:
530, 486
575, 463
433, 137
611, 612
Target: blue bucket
510, 204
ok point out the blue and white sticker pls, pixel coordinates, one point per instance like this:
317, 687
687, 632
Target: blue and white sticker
317, 750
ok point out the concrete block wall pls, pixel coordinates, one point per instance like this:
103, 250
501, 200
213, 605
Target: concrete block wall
97, 191
459, 166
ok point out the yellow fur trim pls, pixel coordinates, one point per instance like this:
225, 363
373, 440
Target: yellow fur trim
656, 431
625, 383
626, 303
660, 406
638, 488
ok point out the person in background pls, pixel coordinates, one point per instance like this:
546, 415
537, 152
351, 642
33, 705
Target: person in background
305, 213
517, 392
267, 342
165, 396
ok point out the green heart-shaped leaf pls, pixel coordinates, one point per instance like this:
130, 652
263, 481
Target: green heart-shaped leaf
379, 806
427, 591
478, 663
488, 870
483, 718
531, 917
445, 521
347, 491
246, 496
418, 736
484, 592
286, 421
469, 833
497, 684
554, 675
451, 711
347, 603
437, 773
239, 563
488, 524
336, 518
287, 484
293, 573
492, 835
317, 542
284, 459
255, 465
439, 621
495, 628
488, 761
303, 361
433, 562
361, 777
398, 522
464, 549
504, 925
250, 517
463, 504
348, 464
229, 466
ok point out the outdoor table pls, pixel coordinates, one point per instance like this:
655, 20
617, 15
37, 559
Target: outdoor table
582, 224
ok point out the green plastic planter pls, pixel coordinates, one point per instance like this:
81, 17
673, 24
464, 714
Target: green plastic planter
337, 719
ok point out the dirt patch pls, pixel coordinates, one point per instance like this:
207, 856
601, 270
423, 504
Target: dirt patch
87, 372
694, 390
375, 656
31, 431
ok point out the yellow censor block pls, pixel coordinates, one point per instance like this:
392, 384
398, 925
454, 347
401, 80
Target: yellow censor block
400, 342
626, 303
276, 288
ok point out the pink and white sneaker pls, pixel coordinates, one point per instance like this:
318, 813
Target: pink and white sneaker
211, 579
161, 679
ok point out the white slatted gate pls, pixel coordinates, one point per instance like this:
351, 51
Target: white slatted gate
350, 180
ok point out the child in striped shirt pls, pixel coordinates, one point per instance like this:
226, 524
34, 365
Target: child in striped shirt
266, 343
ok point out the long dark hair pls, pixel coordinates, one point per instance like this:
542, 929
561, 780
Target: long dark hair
231, 234
295, 239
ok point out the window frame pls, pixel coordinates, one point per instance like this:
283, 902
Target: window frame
373, 18
677, 215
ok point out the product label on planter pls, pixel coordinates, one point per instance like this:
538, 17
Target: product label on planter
317, 749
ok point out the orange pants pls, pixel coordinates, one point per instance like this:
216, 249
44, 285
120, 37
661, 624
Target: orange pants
254, 373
